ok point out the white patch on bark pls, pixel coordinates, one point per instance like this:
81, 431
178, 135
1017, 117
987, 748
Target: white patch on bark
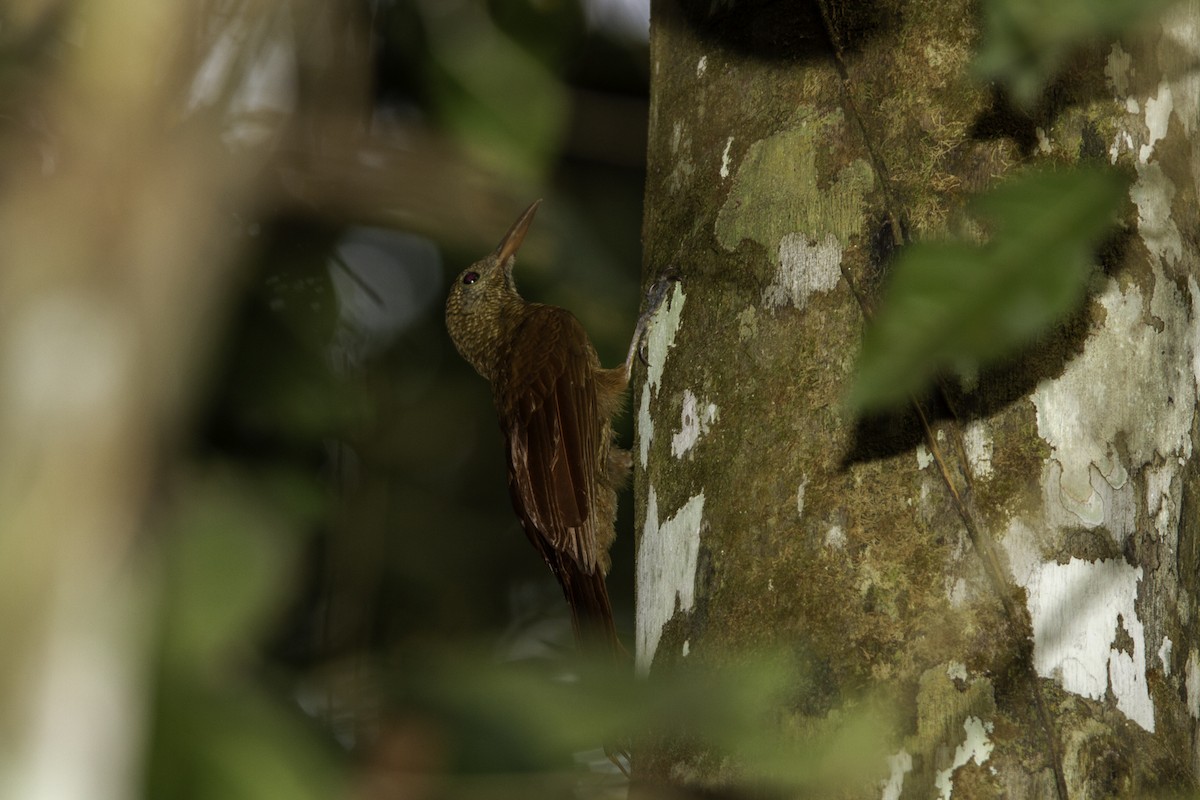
725, 158
1192, 684
977, 440
957, 671
1158, 117
1177, 96
1164, 655
800, 497
1077, 610
976, 746
898, 766
701, 66
1087, 634
645, 428
1043, 141
1181, 45
1152, 193
924, 457
1160, 497
1112, 501
693, 424
1083, 412
1150, 116
1122, 140
1116, 69
835, 537
666, 571
1021, 546
958, 593
660, 338
804, 269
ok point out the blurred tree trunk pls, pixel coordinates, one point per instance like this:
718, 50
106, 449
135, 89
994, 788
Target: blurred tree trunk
120, 227
116, 258
1019, 576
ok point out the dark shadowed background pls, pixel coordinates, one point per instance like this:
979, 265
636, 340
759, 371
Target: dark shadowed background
404, 138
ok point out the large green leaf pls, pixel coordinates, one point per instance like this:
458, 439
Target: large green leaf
1025, 41
959, 305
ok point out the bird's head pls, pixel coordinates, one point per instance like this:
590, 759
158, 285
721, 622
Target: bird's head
483, 298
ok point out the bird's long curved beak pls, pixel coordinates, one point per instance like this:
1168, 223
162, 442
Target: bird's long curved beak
511, 242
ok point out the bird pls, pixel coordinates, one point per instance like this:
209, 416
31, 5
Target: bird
555, 404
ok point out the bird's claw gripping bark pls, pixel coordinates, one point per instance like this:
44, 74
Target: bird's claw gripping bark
658, 290
655, 296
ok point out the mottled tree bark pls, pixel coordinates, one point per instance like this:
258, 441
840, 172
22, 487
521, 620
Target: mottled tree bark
1017, 571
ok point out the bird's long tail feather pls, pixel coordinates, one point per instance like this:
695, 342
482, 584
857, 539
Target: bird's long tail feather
591, 611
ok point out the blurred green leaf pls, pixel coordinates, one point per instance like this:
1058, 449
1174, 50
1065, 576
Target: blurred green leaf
229, 742
226, 559
227, 552
830, 756
958, 305
1026, 41
506, 106
743, 711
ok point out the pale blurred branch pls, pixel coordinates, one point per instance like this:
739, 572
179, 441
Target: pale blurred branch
119, 247
404, 176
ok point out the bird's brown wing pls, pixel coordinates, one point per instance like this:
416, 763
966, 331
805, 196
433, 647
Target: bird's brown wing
547, 405
548, 415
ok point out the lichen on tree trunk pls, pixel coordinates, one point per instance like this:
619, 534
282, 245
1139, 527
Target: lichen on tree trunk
1016, 572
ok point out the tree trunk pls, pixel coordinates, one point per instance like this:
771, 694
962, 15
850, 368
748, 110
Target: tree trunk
1016, 571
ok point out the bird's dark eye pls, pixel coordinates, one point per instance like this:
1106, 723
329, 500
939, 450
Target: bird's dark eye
470, 278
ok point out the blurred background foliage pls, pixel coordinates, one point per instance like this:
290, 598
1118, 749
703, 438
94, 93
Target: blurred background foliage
330, 559
329, 595
347, 544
